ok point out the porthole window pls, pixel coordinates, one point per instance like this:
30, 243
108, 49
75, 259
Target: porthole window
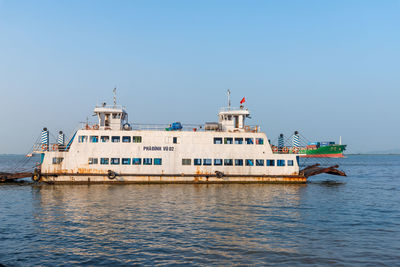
136, 161
207, 162
249, 162
280, 162
126, 139
270, 162
126, 161
238, 162
217, 162
259, 162
114, 161
147, 161
186, 162
115, 139
217, 140
228, 162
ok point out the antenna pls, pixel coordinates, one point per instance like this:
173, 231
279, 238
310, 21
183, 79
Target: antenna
115, 96
229, 99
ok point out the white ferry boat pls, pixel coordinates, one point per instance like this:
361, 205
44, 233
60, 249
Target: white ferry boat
114, 151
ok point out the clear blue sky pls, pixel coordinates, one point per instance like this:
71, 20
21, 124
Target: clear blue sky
325, 68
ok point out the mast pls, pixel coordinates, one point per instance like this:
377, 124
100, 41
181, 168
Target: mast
229, 99
115, 96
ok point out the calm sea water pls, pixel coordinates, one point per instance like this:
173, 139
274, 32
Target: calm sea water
331, 220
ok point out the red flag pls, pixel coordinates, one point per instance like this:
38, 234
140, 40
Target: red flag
242, 101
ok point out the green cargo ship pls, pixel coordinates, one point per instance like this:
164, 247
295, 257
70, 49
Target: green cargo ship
320, 150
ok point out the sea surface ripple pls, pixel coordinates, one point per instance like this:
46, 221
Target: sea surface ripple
331, 220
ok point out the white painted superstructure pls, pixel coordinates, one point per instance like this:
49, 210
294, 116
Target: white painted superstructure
114, 151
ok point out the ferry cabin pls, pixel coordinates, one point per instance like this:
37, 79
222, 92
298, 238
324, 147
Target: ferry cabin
111, 151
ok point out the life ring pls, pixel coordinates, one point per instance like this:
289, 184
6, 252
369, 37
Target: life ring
285, 150
295, 150
55, 147
111, 175
44, 147
275, 149
87, 127
36, 175
95, 127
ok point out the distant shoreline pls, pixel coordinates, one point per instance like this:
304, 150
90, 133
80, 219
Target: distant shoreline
372, 154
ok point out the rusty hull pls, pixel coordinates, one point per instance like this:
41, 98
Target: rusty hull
68, 178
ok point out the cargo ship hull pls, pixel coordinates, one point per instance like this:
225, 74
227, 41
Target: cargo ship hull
331, 151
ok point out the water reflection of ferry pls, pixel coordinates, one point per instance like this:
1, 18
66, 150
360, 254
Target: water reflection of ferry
113, 150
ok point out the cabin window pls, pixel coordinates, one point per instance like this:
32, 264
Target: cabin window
228, 140
249, 162
126, 161
115, 139
136, 161
238, 162
136, 139
94, 139
228, 162
116, 115
93, 161
217, 140
126, 139
175, 140
147, 161
186, 162
104, 161
105, 139
238, 141
290, 162
197, 162
259, 141
259, 162
114, 161
157, 161
270, 162
280, 162
217, 162
57, 160
82, 139
207, 162
249, 141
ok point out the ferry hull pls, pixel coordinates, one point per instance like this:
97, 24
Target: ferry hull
170, 179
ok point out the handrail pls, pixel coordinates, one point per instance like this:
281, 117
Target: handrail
111, 106
232, 109
40, 148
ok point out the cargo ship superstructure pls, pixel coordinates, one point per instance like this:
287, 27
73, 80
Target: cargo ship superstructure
112, 150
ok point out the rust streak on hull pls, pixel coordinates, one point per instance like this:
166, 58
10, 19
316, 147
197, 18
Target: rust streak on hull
170, 179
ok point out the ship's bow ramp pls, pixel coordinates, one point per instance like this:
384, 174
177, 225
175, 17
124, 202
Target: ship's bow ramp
317, 169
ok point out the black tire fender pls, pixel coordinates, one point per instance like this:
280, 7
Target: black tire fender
219, 174
111, 174
36, 175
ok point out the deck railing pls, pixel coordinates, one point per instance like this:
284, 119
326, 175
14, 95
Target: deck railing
39, 148
163, 127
